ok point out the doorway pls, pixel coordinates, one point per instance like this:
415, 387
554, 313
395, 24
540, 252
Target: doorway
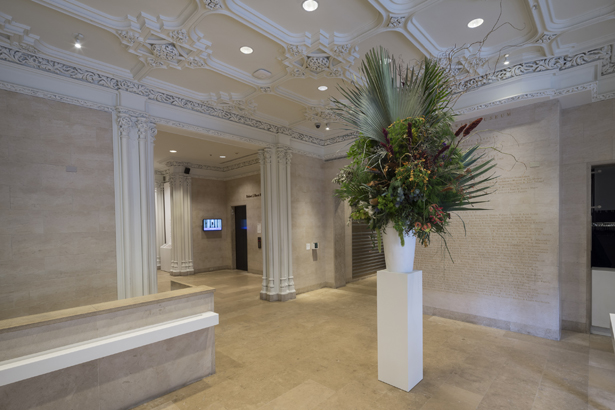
241, 238
602, 247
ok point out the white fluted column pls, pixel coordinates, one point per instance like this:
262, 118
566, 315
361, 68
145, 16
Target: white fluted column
135, 204
159, 192
181, 216
278, 283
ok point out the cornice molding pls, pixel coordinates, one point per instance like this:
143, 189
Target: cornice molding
603, 55
55, 97
92, 77
558, 63
228, 168
540, 94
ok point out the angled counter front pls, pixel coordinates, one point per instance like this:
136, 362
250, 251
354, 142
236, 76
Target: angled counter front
109, 356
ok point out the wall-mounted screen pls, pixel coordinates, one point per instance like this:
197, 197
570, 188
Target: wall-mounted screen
212, 224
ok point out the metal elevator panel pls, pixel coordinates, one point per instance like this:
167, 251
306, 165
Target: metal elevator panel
365, 257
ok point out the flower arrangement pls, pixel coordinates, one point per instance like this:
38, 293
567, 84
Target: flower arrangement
407, 166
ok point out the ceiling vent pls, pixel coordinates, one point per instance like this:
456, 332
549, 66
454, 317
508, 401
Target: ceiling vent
261, 74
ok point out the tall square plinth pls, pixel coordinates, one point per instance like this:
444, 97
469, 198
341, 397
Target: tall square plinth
400, 328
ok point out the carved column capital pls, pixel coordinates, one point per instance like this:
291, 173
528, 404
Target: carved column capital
265, 155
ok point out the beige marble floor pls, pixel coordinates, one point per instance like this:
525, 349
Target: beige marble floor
319, 352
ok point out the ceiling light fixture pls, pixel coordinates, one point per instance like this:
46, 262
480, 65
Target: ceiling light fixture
310, 5
173, 151
327, 126
78, 40
506, 62
246, 50
323, 88
475, 23
222, 156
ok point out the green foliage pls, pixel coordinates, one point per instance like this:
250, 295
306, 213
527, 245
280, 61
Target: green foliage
407, 167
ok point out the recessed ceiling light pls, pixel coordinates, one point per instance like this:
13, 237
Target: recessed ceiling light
173, 151
222, 156
78, 40
310, 5
327, 127
506, 62
246, 50
323, 88
475, 23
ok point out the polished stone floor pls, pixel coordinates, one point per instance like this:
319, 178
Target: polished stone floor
319, 352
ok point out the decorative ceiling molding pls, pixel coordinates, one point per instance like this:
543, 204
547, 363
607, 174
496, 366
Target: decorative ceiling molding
396, 21
560, 63
546, 38
321, 114
320, 60
227, 168
47, 65
529, 96
55, 97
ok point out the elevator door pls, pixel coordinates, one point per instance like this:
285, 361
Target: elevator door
241, 238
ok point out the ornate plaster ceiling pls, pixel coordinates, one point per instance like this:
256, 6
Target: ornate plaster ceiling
190, 48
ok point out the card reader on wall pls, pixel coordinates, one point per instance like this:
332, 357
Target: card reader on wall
315, 245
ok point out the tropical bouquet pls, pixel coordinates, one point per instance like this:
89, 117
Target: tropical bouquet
408, 168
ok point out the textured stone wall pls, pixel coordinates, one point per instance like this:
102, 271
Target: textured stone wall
309, 222
237, 191
505, 271
210, 250
214, 250
587, 138
57, 228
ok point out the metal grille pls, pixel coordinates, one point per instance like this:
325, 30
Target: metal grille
365, 258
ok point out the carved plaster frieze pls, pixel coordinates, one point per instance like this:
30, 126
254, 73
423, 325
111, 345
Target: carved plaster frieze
560, 63
320, 114
266, 90
17, 34
342, 138
528, 96
227, 168
55, 97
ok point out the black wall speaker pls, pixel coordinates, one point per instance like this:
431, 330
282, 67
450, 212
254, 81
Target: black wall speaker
186, 170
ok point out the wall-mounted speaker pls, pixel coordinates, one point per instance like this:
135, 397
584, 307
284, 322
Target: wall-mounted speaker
186, 170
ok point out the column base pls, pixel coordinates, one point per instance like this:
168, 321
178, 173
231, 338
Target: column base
276, 297
183, 273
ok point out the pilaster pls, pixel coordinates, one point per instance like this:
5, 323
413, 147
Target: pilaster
181, 216
278, 282
135, 204
159, 192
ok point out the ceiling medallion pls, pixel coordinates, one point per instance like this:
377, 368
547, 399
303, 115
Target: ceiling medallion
165, 51
396, 21
318, 64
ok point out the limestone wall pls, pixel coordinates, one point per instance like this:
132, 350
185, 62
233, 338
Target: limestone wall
309, 224
214, 250
210, 250
237, 192
587, 138
57, 228
505, 270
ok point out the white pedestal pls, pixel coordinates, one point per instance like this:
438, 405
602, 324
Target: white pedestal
400, 328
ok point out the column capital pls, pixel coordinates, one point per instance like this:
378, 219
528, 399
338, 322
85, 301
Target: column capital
265, 155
